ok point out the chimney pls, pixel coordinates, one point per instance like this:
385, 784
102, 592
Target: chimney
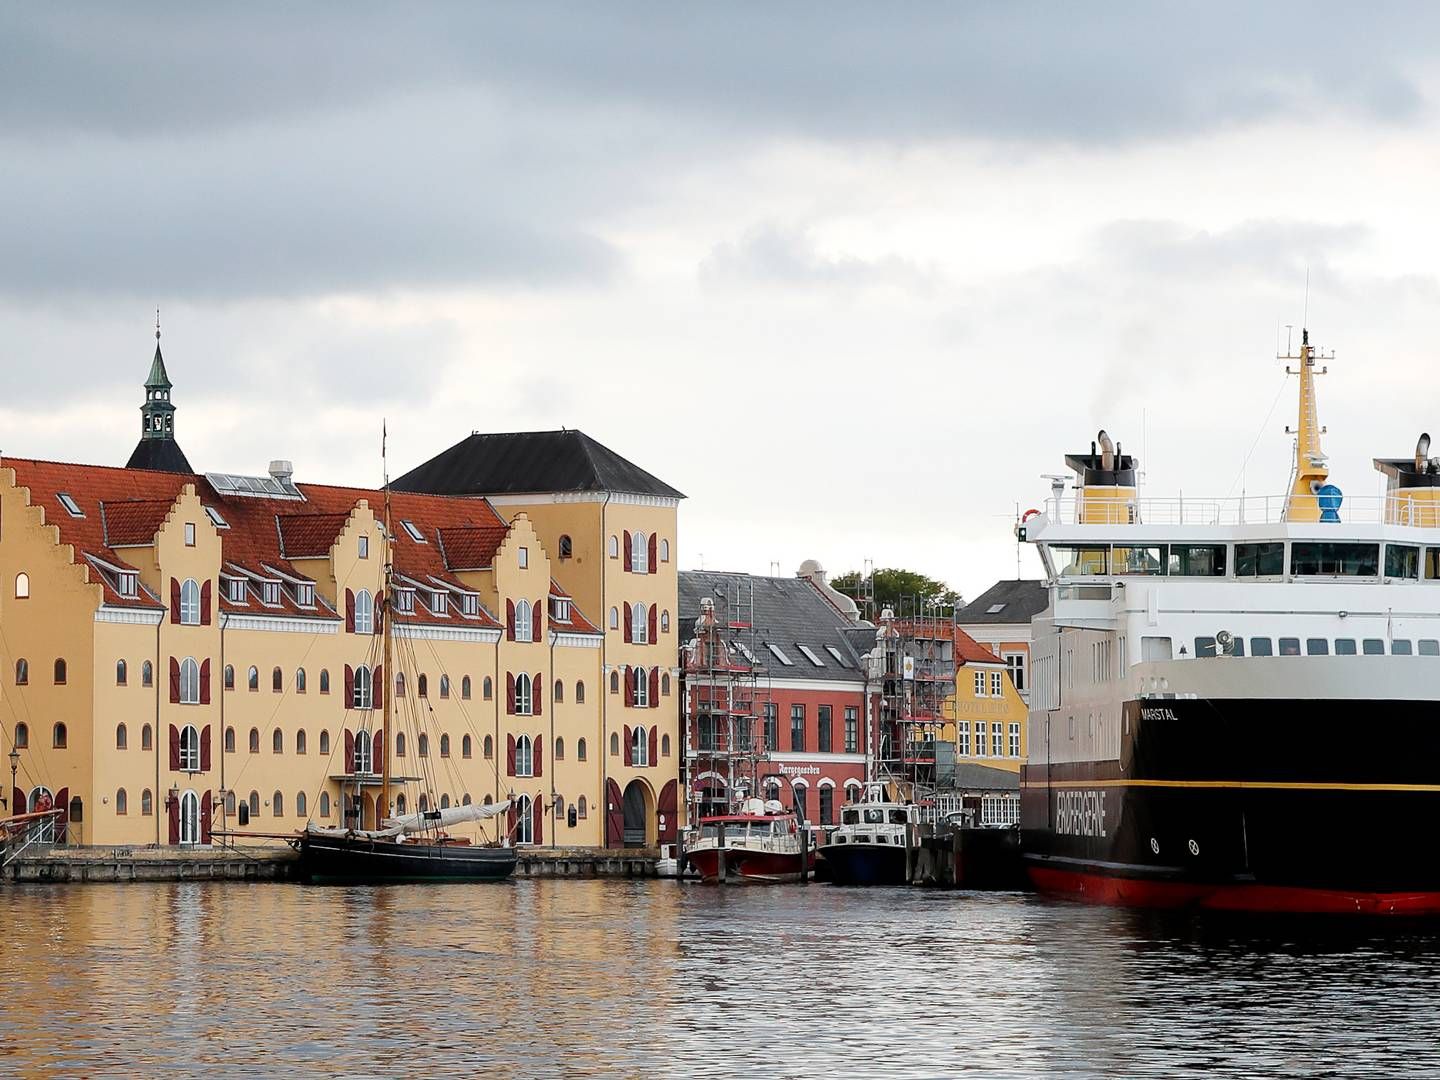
282, 470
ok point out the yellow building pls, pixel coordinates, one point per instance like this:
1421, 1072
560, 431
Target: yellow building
986, 723
182, 653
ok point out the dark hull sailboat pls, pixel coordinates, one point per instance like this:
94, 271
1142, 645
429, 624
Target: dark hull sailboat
357, 858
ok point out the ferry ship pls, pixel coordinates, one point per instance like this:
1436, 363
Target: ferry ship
1234, 703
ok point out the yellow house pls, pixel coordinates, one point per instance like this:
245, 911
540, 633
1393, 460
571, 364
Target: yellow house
987, 715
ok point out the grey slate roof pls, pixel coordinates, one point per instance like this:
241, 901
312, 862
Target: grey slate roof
161, 455
1023, 599
530, 462
788, 612
972, 777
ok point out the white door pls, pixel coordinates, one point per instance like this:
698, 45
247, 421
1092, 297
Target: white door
189, 818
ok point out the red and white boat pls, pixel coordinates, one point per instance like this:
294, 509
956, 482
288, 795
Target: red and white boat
761, 844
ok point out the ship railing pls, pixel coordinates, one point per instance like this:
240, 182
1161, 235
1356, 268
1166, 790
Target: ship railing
1400, 509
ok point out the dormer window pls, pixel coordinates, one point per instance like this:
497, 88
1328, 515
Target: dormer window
305, 595
71, 506
470, 604
235, 590
270, 593
127, 585
415, 533
560, 609
437, 602
405, 601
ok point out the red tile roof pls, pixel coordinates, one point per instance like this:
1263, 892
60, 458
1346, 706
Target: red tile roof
970, 651
309, 536
470, 547
132, 521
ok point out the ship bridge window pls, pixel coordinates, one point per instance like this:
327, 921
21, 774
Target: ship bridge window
1260, 560
1402, 561
1289, 646
1155, 648
1429, 647
1204, 646
1138, 560
1402, 647
1329, 559
1317, 646
1262, 646
1080, 561
1373, 646
1432, 563
1197, 560
1345, 646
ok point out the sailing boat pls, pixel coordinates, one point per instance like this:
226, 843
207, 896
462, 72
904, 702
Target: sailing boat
411, 847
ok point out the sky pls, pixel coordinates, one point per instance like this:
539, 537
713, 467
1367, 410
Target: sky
851, 276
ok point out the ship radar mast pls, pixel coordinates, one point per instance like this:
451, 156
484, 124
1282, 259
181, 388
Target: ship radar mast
1310, 471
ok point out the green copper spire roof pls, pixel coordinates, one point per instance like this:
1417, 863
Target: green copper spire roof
157, 448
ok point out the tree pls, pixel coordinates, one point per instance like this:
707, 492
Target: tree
901, 590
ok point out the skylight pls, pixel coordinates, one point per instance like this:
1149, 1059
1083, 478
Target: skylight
839, 658
994, 609
810, 655
69, 503
779, 654
415, 533
215, 518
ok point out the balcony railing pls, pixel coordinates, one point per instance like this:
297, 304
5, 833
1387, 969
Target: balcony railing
1402, 509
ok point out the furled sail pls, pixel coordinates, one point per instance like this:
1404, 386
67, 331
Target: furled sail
442, 819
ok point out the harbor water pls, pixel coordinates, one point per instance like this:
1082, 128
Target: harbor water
654, 978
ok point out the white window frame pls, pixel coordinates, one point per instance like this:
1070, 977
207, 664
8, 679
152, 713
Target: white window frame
1015, 661
997, 684
363, 546
809, 654
639, 553
270, 593
68, 502
979, 684
524, 695
364, 612
189, 534
524, 622
1014, 734
364, 752
405, 601
364, 695
523, 558
980, 739
189, 818
216, 518
524, 755
642, 688
962, 738
413, 531
664, 550
235, 589
127, 584
190, 602
640, 624
189, 681
997, 739
439, 603
640, 746
524, 820
779, 654
189, 749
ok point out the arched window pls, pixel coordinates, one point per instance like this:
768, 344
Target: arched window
147, 674
277, 805
325, 686
254, 802
422, 685
122, 737
559, 749
60, 736
400, 744
22, 736
640, 745
444, 687
22, 672
229, 740
489, 748
581, 808
230, 803
190, 603
22, 586
363, 757
567, 546
189, 681
229, 676
664, 550
579, 692
324, 742
325, 804
400, 803
560, 809
487, 688
524, 821
665, 683
254, 740
121, 673
615, 682
400, 684
364, 612
559, 696
277, 680
189, 749
523, 624
252, 678
465, 688
445, 801
467, 746
614, 744
146, 738
300, 680
613, 547
640, 552
364, 697
60, 672
445, 744
489, 800
122, 802
300, 804
614, 618
581, 750
523, 699
147, 803
665, 622
664, 745
642, 688
422, 744
277, 741
466, 800
640, 624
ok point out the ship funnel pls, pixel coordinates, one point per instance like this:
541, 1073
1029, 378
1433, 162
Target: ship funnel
1107, 452
1422, 451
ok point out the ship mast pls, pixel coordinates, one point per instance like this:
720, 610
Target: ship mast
1310, 470
383, 804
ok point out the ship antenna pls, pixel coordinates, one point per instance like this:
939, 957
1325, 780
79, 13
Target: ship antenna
383, 805
1305, 318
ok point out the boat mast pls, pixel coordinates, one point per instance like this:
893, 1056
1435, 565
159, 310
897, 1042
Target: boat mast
383, 804
1310, 470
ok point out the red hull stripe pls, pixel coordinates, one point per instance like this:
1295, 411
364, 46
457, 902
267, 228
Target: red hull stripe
1131, 892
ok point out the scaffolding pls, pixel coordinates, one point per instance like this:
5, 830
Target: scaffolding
913, 676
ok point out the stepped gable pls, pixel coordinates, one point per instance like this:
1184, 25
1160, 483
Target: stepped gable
531, 462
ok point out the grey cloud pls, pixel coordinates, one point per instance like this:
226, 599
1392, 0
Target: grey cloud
1275, 251
772, 253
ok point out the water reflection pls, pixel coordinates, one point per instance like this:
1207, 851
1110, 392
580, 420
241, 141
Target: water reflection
564, 978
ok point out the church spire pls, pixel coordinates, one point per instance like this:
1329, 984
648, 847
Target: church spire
158, 379
157, 448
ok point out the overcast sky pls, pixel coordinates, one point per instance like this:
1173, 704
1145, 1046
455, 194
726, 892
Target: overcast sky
850, 276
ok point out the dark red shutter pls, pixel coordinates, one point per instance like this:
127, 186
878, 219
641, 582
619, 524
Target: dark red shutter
174, 601
654, 745
629, 554
536, 749
537, 819
509, 620
509, 755
205, 681
205, 603
654, 691
625, 622
536, 615
62, 803
349, 686
18, 804
667, 808
174, 748
614, 815
377, 687
349, 752
629, 677
650, 569
205, 749
349, 611
377, 749
537, 691
629, 747
174, 681
654, 621
511, 820
205, 812
510, 693
172, 810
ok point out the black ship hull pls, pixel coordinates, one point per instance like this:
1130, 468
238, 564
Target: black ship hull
1246, 804
359, 859
866, 864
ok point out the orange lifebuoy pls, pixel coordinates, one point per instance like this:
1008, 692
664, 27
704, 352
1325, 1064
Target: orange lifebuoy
1028, 515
